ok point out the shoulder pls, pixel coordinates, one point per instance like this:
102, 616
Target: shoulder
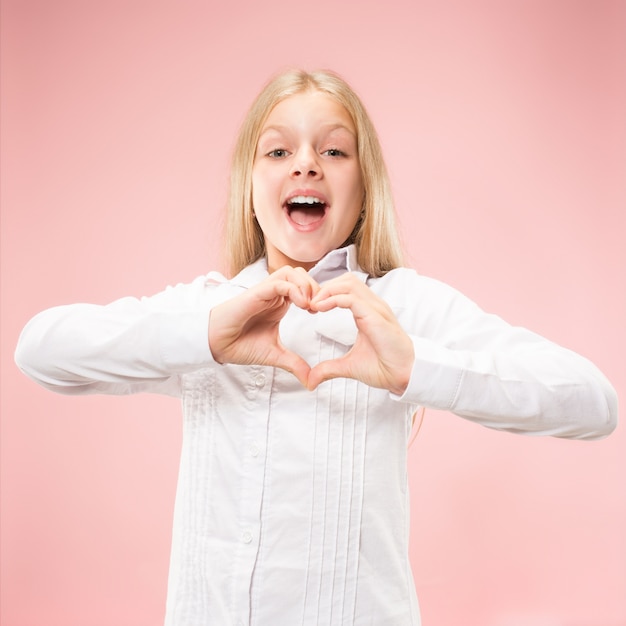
424, 304
185, 295
204, 290
404, 284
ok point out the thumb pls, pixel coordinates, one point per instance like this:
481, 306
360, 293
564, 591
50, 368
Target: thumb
335, 368
296, 365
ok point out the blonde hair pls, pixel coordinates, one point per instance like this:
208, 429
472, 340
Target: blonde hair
375, 234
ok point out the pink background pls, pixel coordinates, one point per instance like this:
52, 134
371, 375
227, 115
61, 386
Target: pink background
503, 125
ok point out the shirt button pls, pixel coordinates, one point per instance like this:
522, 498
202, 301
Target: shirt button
254, 450
246, 537
259, 381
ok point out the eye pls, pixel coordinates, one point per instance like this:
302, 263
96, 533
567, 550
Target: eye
334, 152
278, 153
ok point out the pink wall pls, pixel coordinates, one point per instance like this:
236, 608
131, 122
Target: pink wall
504, 129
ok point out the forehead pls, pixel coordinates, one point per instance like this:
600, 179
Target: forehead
309, 111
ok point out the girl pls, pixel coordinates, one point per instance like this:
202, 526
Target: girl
300, 374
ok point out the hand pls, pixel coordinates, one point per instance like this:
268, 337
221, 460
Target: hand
382, 355
244, 330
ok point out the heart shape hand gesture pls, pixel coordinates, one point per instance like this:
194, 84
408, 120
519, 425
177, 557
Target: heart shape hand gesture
244, 330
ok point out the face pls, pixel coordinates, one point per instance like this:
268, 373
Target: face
307, 189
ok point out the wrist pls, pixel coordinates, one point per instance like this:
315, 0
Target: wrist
403, 373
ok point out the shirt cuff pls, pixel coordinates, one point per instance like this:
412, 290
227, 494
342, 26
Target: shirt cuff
435, 378
184, 339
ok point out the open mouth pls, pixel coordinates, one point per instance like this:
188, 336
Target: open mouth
305, 210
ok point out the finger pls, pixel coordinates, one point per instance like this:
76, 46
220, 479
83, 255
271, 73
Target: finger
346, 285
299, 277
361, 308
343, 284
267, 291
308, 286
327, 370
294, 364
312, 284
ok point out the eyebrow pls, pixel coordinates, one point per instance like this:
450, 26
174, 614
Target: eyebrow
328, 127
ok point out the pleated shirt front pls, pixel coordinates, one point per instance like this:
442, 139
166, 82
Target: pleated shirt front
292, 506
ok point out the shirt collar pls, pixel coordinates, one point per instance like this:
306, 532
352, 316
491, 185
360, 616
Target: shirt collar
334, 264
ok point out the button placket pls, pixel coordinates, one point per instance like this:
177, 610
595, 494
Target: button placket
246, 537
255, 383
251, 451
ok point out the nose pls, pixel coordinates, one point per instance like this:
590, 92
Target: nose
305, 164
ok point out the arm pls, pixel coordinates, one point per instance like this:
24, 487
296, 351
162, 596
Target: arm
477, 366
127, 346
134, 345
463, 360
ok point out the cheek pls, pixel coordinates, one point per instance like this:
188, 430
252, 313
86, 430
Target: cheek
256, 183
263, 185
358, 190
259, 195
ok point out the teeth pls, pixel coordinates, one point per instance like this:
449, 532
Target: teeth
305, 200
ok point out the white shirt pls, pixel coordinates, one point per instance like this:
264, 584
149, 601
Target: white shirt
292, 506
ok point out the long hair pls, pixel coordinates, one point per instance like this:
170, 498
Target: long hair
375, 234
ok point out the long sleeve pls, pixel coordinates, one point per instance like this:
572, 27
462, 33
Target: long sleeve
128, 346
477, 366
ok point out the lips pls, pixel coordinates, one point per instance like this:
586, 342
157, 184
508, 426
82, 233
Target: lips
306, 209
